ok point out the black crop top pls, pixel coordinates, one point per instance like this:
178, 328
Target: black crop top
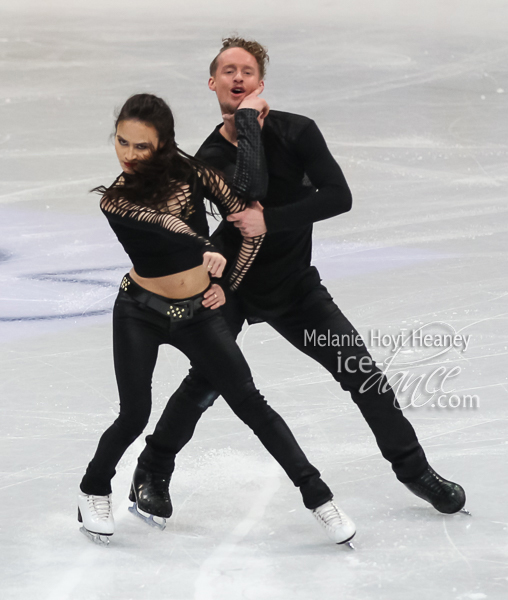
160, 243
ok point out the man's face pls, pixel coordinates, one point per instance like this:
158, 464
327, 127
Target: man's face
237, 76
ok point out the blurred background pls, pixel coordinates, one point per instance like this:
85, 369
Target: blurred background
411, 98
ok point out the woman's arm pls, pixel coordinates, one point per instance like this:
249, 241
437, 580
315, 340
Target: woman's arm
251, 176
150, 219
217, 190
250, 183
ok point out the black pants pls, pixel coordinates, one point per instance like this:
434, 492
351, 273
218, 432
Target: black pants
315, 311
206, 340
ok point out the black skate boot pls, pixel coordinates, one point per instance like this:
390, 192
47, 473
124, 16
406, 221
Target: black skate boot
445, 496
150, 494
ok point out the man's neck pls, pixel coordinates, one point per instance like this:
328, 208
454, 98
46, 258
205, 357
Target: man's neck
228, 129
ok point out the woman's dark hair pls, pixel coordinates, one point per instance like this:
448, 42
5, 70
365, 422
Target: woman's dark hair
168, 168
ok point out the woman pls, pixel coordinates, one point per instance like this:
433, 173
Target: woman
156, 209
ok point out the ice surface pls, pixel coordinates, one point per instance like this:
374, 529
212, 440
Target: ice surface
411, 97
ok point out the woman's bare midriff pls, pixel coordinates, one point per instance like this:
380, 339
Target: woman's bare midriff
177, 286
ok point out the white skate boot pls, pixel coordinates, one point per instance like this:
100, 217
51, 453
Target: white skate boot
338, 526
96, 514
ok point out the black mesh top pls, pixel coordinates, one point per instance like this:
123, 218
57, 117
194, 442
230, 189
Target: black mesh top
160, 242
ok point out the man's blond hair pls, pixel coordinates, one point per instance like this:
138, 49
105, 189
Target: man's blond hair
258, 51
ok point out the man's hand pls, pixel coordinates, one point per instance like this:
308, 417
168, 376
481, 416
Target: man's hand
260, 104
214, 297
250, 221
214, 263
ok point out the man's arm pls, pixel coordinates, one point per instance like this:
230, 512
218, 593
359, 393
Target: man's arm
333, 196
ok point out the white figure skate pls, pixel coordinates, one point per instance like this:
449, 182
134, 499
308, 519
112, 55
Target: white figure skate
338, 526
96, 514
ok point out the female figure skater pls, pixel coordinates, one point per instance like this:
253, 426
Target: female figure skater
156, 209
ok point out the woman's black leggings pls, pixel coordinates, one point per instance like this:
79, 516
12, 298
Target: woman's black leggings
206, 340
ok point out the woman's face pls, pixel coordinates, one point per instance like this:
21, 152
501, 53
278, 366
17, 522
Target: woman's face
134, 140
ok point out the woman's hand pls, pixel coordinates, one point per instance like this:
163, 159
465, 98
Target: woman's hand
214, 297
214, 263
259, 104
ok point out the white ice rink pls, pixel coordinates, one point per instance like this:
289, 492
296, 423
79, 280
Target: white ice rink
412, 99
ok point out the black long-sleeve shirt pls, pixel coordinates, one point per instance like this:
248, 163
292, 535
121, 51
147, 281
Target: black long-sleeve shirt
305, 185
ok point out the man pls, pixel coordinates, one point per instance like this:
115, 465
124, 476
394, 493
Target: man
282, 288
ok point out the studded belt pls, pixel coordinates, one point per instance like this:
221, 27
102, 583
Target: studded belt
175, 310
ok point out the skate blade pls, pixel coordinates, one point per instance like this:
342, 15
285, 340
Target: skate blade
348, 543
148, 519
465, 511
96, 538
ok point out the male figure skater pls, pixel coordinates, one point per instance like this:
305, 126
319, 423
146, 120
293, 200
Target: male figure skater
282, 288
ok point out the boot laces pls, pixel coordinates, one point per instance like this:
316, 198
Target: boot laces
331, 516
101, 506
434, 484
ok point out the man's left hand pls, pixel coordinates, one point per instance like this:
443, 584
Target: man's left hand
250, 221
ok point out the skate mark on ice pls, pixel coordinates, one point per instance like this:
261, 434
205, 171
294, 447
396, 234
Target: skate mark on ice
86, 310
462, 556
34, 193
81, 381
431, 75
64, 589
376, 455
82, 566
71, 471
448, 432
457, 307
214, 568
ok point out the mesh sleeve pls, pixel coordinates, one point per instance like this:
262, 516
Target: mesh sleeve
127, 213
251, 175
221, 194
250, 181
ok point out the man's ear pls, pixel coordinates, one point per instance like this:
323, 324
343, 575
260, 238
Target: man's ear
262, 85
211, 84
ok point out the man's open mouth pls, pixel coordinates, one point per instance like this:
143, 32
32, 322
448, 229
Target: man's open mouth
237, 91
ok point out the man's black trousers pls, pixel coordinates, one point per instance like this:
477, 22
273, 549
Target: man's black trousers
316, 312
